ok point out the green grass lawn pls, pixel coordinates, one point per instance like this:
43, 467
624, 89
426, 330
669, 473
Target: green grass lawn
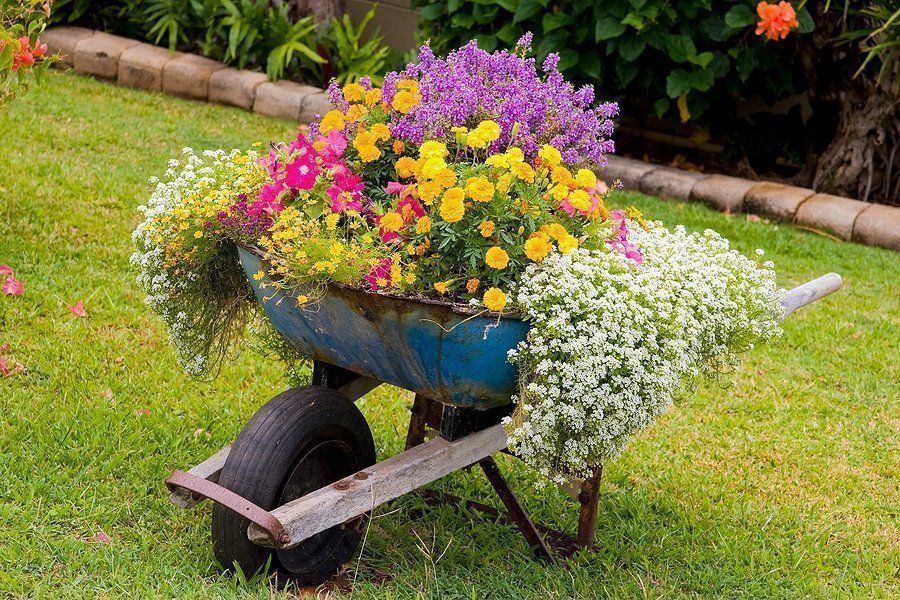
784, 485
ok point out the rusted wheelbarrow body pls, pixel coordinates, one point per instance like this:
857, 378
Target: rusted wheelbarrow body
446, 353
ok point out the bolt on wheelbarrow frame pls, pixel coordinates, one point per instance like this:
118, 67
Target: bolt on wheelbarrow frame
468, 421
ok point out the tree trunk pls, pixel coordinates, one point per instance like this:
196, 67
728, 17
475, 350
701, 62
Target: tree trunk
862, 159
320, 10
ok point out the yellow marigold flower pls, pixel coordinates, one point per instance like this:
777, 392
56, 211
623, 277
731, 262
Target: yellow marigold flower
489, 130
404, 166
353, 92
356, 112
396, 274
258, 275
537, 248
555, 230
410, 277
446, 178
496, 258
454, 194
494, 299
567, 244
198, 234
391, 221
373, 97
433, 149
441, 287
472, 285
580, 200
302, 299
586, 178
319, 145
514, 155
405, 101
382, 282
429, 191
423, 225
433, 166
559, 192
560, 174
381, 132
368, 153
499, 161
477, 139
550, 155
408, 84
398, 147
504, 182
331, 220
336, 248
479, 189
486, 229
523, 171
452, 209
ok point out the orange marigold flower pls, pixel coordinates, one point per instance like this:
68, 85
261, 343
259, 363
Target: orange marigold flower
537, 248
423, 225
399, 147
776, 20
472, 285
441, 287
486, 229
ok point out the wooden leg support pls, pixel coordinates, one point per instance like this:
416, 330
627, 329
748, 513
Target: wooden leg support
588, 497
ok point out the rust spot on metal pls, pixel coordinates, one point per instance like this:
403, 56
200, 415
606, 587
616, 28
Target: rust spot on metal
362, 476
342, 485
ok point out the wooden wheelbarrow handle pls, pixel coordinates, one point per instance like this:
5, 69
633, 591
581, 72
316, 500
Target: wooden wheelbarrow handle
809, 292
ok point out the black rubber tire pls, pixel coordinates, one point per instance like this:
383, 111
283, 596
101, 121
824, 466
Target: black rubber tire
301, 440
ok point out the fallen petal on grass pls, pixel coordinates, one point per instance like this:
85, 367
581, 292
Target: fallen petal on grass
99, 538
13, 287
6, 270
77, 309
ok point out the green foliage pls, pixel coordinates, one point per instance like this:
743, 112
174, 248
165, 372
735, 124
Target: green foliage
351, 55
879, 34
691, 61
261, 34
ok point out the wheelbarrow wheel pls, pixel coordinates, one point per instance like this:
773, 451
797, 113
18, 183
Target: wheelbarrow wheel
300, 441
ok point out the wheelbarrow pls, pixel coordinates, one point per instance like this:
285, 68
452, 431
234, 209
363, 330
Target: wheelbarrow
294, 489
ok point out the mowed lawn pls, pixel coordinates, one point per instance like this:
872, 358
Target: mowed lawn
782, 485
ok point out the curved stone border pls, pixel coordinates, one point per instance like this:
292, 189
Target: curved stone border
147, 67
851, 220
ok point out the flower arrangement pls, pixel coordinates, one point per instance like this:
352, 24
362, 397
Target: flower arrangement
466, 179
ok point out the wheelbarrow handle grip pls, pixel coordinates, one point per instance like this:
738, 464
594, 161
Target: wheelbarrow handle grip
810, 291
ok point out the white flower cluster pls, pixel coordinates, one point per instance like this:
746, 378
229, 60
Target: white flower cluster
169, 289
613, 342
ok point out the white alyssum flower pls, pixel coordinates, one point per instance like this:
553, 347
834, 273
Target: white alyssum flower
612, 342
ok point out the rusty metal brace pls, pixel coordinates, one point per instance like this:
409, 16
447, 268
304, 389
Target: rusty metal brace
203, 488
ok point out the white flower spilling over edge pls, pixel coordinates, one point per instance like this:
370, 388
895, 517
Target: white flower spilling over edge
612, 343
170, 292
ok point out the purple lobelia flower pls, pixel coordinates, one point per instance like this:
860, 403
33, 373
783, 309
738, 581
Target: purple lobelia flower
471, 85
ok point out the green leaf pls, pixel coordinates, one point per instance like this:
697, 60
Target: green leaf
680, 82
6, 57
631, 47
508, 5
702, 60
740, 16
608, 28
453, 6
680, 48
526, 10
661, 107
805, 19
568, 58
432, 12
509, 34
462, 20
591, 65
553, 21
486, 42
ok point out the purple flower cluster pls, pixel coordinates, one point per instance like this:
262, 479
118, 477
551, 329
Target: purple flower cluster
244, 222
471, 85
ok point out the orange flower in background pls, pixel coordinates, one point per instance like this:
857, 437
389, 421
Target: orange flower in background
776, 20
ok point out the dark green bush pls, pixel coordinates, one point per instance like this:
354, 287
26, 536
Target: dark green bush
682, 61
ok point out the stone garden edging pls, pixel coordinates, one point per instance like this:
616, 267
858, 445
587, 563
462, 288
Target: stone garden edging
850, 220
148, 67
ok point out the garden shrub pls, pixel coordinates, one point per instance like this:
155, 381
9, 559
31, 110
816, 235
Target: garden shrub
702, 62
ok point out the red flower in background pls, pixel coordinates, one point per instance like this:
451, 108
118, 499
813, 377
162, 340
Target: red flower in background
776, 20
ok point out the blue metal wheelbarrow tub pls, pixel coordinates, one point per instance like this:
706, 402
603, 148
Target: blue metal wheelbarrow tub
448, 353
